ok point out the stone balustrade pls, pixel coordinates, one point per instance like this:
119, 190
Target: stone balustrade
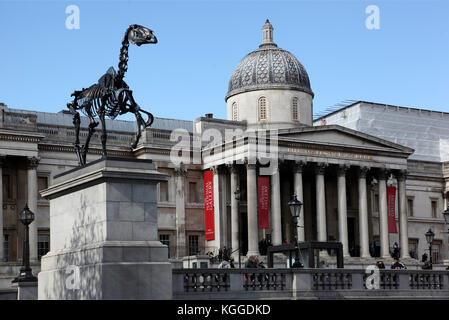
198, 284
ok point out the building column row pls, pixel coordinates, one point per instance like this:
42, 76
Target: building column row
321, 208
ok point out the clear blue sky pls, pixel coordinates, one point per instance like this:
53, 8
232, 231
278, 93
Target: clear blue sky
185, 75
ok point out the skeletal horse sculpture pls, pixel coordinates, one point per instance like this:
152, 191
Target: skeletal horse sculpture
111, 96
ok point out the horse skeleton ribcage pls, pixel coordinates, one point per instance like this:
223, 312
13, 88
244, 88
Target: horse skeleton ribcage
93, 97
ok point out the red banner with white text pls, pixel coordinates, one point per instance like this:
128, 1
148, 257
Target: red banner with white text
391, 205
263, 195
209, 206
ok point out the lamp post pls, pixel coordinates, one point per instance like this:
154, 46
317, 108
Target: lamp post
295, 210
26, 216
237, 197
429, 238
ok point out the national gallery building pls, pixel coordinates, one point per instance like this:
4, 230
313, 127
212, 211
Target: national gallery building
369, 175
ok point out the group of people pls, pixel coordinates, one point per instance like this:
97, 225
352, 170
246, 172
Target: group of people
395, 265
254, 263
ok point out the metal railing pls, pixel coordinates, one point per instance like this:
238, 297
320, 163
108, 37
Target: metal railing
308, 284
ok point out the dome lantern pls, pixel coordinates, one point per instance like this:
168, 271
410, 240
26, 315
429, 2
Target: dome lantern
267, 34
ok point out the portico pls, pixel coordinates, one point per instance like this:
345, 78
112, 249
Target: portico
329, 168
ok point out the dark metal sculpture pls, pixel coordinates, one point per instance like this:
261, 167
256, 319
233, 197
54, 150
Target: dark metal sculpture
111, 96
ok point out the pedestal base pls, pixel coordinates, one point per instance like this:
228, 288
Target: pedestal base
110, 270
26, 290
103, 233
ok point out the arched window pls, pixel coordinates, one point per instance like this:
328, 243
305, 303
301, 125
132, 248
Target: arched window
263, 109
295, 113
235, 112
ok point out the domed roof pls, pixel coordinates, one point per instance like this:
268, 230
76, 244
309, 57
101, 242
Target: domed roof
268, 67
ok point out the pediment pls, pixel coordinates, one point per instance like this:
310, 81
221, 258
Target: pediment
340, 136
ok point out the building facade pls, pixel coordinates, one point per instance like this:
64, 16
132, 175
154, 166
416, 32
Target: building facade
339, 166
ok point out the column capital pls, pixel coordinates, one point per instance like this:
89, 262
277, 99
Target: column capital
251, 166
218, 169
401, 175
234, 168
298, 166
320, 167
32, 162
180, 171
362, 171
342, 169
382, 174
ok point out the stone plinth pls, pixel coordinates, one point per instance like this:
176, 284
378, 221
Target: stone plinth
26, 290
103, 234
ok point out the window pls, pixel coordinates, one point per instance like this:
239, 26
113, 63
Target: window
6, 247
295, 115
413, 248
163, 191
436, 252
262, 108
43, 245
193, 195
235, 112
193, 245
410, 207
434, 208
165, 239
42, 184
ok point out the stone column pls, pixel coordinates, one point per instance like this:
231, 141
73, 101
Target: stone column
383, 214
320, 202
444, 200
342, 209
32, 164
298, 191
363, 214
276, 208
181, 245
217, 209
251, 185
2, 257
234, 212
402, 208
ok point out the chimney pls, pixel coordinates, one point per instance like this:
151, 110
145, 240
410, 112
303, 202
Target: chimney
209, 115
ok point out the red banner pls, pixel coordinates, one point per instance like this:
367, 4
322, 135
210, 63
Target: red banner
209, 205
263, 195
391, 203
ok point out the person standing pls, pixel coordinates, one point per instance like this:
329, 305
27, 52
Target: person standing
397, 265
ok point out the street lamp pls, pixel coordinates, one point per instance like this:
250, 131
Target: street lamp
429, 238
295, 210
26, 216
237, 197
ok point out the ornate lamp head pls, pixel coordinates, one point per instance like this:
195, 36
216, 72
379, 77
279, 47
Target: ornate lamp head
430, 236
26, 216
295, 207
140, 35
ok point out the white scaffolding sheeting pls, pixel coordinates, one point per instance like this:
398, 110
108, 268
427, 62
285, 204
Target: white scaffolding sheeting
427, 132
